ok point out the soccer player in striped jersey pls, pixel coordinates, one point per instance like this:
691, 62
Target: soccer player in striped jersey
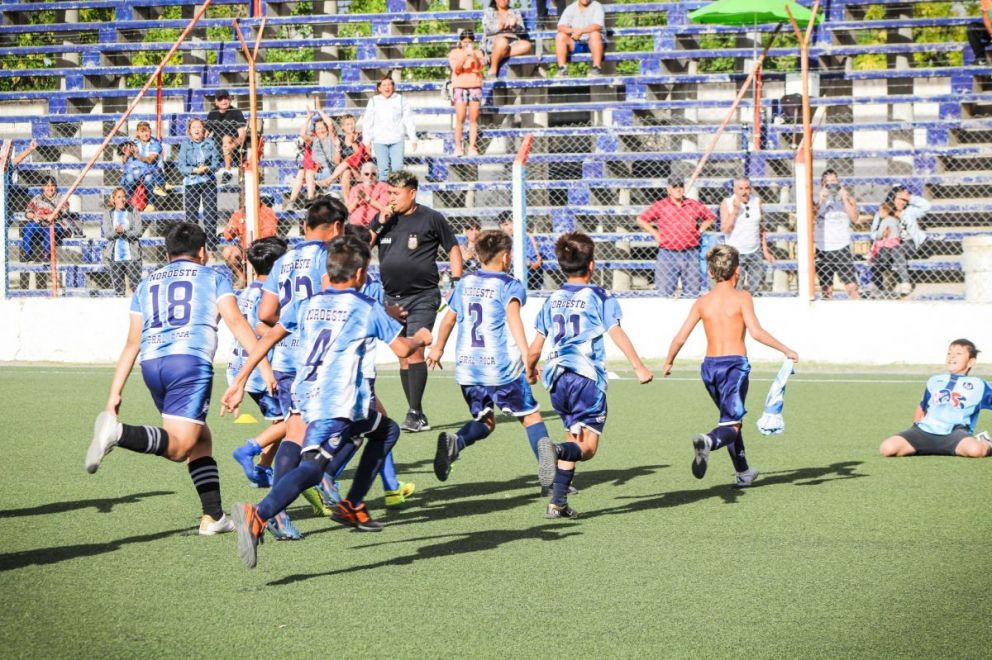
174, 328
727, 315
295, 277
334, 399
489, 347
946, 417
262, 254
575, 318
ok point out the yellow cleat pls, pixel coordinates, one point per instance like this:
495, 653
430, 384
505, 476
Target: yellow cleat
398, 497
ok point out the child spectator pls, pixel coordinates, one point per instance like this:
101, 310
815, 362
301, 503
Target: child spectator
466, 62
945, 419
575, 318
349, 154
148, 152
726, 313
122, 230
307, 166
230, 161
198, 160
35, 237
489, 347
887, 250
470, 259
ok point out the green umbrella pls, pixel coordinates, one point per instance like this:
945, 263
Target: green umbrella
751, 12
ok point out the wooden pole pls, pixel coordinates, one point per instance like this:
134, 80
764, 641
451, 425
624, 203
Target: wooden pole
252, 199
804, 40
730, 113
110, 136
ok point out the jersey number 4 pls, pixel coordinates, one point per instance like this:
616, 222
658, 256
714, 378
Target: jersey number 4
178, 303
316, 357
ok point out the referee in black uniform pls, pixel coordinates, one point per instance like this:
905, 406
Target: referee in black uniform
409, 239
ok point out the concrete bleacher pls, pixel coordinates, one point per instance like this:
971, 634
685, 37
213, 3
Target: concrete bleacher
901, 124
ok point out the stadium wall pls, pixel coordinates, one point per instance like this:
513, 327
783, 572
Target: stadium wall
835, 332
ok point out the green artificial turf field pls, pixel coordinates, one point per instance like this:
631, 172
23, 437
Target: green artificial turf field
834, 552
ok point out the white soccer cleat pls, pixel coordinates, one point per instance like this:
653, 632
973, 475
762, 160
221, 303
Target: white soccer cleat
105, 433
746, 478
547, 462
211, 527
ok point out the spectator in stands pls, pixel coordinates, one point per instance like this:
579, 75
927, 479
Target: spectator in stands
470, 258
388, 119
466, 62
323, 147
122, 230
368, 198
307, 166
230, 162
887, 251
133, 174
980, 34
915, 243
504, 34
532, 255
198, 160
148, 152
349, 154
409, 241
40, 213
581, 29
676, 222
834, 214
225, 120
740, 221
236, 229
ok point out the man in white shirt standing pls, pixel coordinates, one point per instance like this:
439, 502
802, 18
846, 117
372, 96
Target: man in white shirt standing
740, 221
581, 29
387, 121
834, 213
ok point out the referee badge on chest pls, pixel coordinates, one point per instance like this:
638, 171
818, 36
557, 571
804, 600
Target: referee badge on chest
411, 242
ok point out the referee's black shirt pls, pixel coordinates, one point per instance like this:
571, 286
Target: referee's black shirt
408, 250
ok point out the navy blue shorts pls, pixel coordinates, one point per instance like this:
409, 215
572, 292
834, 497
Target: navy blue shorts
579, 402
284, 381
726, 379
513, 398
329, 433
269, 405
180, 386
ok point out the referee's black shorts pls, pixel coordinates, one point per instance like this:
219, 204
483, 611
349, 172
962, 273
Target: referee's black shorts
421, 309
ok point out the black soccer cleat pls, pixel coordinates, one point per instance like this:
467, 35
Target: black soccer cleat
701, 444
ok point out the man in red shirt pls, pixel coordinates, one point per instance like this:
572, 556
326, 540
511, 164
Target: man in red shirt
676, 222
234, 254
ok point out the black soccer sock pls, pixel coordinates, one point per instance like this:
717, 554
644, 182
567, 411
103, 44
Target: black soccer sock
377, 446
206, 480
559, 488
569, 451
144, 439
405, 382
722, 435
342, 455
287, 458
736, 451
418, 383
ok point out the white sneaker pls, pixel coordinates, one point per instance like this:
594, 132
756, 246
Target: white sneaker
106, 431
905, 288
211, 527
746, 478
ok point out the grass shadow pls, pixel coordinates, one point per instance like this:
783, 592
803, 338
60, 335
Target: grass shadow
105, 505
446, 546
45, 556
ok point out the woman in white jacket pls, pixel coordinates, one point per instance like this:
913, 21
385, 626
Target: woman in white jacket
387, 122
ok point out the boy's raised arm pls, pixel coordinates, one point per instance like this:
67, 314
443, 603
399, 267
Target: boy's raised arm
759, 333
622, 341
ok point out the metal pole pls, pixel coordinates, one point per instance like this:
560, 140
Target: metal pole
6, 149
519, 201
252, 201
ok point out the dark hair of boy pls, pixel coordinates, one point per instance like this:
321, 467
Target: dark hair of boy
184, 239
345, 256
265, 251
346, 116
472, 223
504, 218
490, 243
967, 345
575, 252
361, 232
326, 211
827, 172
403, 179
722, 261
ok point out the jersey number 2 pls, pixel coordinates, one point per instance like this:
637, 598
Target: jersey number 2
475, 310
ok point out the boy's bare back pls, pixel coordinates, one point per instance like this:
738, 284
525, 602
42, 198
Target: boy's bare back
722, 313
